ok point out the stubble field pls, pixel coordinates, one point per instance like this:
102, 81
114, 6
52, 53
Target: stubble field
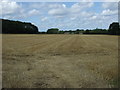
59, 61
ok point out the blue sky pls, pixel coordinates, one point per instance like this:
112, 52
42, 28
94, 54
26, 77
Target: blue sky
62, 15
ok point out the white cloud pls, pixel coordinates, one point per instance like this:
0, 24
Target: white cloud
110, 5
58, 12
64, 5
13, 10
93, 17
73, 16
56, 5
78, 7
86, 14
109, 12
82, 5
33, 12
77, 16
38, 5
44, 19
8, 7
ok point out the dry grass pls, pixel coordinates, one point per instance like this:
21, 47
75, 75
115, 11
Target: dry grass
59, 61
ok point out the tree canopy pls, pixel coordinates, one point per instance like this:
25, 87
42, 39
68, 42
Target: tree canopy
114, 28
9, 26
53, 31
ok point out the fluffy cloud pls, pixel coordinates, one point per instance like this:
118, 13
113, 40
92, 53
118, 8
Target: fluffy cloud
44, 19
33, 12
13, 10
109, 12
8, 7
80, 18
110, 5
61, 15
58, 12
93, 17
57, 6
82, 5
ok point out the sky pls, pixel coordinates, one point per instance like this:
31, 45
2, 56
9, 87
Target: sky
62, 15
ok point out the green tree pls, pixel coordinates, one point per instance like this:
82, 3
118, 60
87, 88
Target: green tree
87, 32
114, 28
9, 26
61, 32
53, 31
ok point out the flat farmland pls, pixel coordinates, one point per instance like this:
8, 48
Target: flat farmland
59, 61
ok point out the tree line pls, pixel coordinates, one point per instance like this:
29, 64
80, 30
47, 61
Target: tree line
114, 29
17, 27
78, 31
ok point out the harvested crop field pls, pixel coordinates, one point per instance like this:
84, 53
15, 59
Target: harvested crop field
59, 61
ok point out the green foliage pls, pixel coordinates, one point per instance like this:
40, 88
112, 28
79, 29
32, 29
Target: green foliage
61, 32
78, 31
9, 26
114, 28
53, 31
87, 32
96, 31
